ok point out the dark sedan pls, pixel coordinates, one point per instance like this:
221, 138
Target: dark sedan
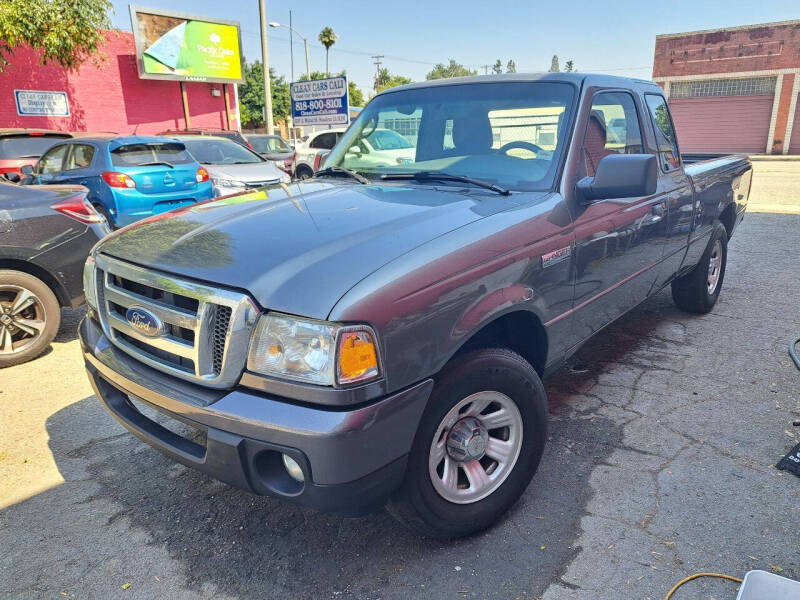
47, 233
275, 149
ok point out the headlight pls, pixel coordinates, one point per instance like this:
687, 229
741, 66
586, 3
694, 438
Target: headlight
229, 183
90, 282
285, 179
313, 351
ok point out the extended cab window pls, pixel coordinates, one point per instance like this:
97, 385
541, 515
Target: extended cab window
666, 140
613, 128
80, 157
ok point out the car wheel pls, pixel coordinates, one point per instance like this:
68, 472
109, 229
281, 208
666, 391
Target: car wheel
304, 172
477, 446
29, 317
698, 290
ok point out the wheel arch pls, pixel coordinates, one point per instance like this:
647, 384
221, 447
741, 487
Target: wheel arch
40, 273
519, 330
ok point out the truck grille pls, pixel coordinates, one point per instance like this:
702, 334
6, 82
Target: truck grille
203, 332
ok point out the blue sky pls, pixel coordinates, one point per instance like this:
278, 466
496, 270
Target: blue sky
615, 36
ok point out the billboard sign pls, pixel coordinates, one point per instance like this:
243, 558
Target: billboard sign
181, 47
39, 103
320, 102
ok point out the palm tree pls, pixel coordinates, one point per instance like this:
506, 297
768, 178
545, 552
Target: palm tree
327, 38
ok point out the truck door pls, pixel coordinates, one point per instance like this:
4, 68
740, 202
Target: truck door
619, 241
674, 184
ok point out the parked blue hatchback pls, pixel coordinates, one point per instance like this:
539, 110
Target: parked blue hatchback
129, 178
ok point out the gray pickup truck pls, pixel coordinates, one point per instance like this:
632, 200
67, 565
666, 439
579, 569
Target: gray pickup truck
378, 334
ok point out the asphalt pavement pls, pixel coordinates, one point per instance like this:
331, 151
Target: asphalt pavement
664, 434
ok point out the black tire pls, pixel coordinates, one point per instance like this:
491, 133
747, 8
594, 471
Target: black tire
48, 309
417, 504
691, 291
103, 212
304, 172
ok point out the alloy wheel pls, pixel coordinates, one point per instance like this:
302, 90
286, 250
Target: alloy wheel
22, 318
714, 267
475, 447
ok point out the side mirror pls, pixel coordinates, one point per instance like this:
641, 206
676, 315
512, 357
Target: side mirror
26, 170
620, 176
354, 149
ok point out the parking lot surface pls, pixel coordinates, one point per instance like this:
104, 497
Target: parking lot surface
664, 434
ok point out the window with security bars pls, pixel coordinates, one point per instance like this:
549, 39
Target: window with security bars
750, 86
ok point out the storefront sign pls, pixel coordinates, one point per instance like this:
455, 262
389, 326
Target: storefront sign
320, 102
38, 103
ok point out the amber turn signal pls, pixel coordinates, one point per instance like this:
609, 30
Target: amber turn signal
358, 357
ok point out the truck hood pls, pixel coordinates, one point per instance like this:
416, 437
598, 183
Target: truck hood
299, 248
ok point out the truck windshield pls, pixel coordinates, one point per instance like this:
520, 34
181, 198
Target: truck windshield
510, 134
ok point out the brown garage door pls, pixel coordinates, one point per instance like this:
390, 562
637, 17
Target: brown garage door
794, 141
723, 123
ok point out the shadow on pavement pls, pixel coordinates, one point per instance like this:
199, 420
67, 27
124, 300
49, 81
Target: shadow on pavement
243, 545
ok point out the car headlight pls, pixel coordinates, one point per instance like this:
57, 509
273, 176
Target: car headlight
313, 351
90, 282
285, 179
229, 183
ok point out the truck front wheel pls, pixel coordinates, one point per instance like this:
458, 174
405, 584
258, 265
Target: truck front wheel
698, 290
477, 446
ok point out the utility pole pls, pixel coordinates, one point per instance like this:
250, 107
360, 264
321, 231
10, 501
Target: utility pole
291, 45
377, 71
268, 122
485, 69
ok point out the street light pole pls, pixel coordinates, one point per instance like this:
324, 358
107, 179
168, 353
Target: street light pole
268, 122
305, 41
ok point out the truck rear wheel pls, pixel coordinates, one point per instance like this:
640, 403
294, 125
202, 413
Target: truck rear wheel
698, 290
477, 446
29, 317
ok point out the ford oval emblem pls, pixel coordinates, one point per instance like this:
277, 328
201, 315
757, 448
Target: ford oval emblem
144, 321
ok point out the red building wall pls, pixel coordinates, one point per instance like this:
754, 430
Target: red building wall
737, 49
110, 96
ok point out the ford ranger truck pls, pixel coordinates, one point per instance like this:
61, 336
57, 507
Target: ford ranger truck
378, 335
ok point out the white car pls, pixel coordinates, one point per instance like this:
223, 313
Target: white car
307, 152
232, 167
381, 148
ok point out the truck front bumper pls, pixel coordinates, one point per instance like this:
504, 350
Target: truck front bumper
351, 459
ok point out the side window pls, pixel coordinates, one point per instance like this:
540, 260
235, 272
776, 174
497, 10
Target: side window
80, 157
613, 128
325, 141
53, 160
666, 140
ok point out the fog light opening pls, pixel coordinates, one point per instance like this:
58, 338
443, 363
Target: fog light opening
293, 469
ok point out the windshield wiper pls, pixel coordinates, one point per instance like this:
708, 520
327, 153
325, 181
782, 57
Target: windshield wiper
334, 171
157, 162
442, 176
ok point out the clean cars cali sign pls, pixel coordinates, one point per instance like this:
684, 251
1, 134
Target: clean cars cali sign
38, 103
320, 102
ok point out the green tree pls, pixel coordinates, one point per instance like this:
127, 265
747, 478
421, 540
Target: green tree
67, 32
497, 68
353, 91
569, 66
251, 96
386, 80
554, 67
511, 67
452, 69
327, 38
